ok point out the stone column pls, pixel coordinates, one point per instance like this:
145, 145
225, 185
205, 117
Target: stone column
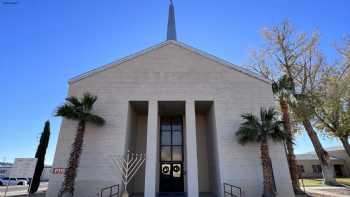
151, 150
191, 150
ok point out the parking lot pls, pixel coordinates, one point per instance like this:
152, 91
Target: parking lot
19, 190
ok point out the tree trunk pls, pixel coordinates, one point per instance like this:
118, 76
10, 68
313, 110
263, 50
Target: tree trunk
327, 168
40, 155
269, 187
293, 168
73, 162
345, 141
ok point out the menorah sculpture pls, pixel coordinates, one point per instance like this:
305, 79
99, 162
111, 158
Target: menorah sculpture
129, 166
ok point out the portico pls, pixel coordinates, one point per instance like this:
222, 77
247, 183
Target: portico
166, 127
171, 146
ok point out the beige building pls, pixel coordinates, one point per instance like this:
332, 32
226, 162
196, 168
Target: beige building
5, 172
310, 166
180, 106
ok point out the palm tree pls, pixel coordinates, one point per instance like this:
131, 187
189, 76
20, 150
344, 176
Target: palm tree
283, 90
78, 109
259, 130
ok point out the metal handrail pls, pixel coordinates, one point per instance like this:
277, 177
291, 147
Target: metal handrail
231, 190
110, 189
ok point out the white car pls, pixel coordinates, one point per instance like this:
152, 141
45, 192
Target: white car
13, 181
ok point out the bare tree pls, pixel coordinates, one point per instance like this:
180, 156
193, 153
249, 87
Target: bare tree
296, 55
333, 104
344, 51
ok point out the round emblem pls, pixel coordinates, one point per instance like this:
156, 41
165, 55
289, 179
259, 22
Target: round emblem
166, 169
176, 169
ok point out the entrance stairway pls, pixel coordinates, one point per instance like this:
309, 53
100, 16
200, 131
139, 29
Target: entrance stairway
232, 190
229, 191
172, 194
175, 195
184, 195
111, 191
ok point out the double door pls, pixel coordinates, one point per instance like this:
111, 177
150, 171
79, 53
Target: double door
171, 155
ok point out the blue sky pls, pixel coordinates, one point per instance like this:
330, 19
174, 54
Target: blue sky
45, 43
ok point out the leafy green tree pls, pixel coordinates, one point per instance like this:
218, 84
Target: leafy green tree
260, 130
40, 155
283, 90
79, 109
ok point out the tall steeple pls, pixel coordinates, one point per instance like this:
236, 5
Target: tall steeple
171, 35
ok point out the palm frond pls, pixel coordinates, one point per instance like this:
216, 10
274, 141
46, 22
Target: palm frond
249, 118
249, 128
275, 87
246, 134
74, 101
79, 108
286, 83
88, 101
278, 133
270, 113
284, 89
67, 111
97, 120
254, 129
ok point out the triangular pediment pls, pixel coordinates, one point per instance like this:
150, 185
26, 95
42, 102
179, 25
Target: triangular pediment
219, 62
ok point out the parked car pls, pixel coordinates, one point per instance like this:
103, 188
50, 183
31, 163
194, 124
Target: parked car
13, 181
26, 180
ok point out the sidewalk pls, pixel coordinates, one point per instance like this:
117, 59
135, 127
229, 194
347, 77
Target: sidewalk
40, 193
328, 191
22, 190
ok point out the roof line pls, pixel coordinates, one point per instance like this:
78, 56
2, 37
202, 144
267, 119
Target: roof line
183, 45
114, 63
224, 62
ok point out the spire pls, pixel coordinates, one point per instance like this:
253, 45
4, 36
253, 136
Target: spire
171, 35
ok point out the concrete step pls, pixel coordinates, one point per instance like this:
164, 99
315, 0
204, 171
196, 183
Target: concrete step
175, 195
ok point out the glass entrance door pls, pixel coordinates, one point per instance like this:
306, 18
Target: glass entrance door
171, 154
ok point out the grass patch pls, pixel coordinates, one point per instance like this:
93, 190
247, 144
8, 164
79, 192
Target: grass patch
319, 182
344, 181
311, 182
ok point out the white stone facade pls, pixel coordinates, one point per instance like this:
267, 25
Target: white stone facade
171, 71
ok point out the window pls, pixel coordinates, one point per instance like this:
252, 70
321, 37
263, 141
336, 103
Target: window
301, 168
177, 138
171, 139
177, 153
165, 153
166, 138
316, 169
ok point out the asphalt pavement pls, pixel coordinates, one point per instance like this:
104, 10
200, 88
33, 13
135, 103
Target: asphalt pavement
20, 190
